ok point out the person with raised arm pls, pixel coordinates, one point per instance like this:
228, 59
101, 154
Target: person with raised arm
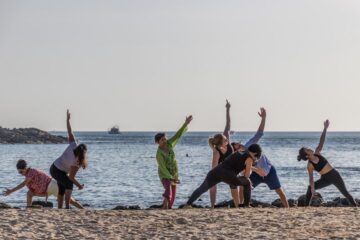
264, 171
221, 147
65, 168
167, 163
228, 171
329, 175
38, 183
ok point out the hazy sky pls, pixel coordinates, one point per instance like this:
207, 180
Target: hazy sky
144, 65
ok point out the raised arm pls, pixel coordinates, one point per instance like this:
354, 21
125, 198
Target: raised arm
71, 137
227, 126
260, 131
174, 139
322, 138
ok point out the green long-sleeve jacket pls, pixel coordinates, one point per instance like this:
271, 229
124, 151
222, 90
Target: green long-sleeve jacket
168, 166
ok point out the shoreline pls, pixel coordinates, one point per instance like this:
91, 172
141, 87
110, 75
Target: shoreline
251, 223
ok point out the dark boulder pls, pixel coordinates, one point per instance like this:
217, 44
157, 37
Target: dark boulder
43, 204
316, 201
136, 207
4, 205
278, 203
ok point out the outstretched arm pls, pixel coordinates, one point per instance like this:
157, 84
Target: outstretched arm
7, 192
260, 131
174, 139
71, 136
322, 138
310, 169
227, 126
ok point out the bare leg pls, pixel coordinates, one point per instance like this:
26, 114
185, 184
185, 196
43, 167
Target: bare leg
76, 203
282, 196
68, 193
29, 197
60, 200
165, 204
241, 195
235, 197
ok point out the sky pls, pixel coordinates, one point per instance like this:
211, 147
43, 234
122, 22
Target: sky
145, 65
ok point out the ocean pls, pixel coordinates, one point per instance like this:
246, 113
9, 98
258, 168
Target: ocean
123, 170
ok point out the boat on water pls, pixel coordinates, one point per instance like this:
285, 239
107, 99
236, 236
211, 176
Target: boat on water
114, 130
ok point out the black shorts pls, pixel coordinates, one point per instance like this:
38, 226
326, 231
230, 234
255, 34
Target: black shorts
62, 179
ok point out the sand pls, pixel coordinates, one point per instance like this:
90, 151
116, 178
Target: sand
255, 223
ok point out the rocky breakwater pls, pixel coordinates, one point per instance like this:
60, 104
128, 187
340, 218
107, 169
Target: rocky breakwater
28, 136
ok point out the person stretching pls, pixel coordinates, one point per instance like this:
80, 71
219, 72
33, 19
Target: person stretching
329, 175
228, 171
64, 169
38, 183
167, 163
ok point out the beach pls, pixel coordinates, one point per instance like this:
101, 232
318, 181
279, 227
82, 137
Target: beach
252, 223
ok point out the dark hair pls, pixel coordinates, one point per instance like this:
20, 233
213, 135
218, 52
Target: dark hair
302, 155
21, 164
158, 136
80, 152
255, 148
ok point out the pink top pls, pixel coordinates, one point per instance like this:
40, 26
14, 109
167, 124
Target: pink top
39, 181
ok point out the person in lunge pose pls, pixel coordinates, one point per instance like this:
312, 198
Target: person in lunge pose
167, 163
228, 171
329, 175
64, 169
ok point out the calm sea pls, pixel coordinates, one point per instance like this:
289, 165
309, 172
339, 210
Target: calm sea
123, 169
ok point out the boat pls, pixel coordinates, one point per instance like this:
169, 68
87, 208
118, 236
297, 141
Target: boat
114, 130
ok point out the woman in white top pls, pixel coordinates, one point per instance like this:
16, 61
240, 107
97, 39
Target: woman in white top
64, 169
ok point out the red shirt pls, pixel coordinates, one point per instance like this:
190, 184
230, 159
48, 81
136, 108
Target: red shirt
39, 181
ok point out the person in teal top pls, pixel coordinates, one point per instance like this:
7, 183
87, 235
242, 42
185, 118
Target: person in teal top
167, 163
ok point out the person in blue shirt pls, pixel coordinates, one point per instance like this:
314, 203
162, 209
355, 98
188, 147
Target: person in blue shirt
263, 171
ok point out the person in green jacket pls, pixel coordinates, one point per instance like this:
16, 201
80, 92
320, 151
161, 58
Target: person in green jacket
167, 163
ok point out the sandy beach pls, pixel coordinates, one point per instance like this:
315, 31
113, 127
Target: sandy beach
255, 223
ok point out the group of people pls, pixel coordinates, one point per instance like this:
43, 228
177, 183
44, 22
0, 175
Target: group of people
242, 166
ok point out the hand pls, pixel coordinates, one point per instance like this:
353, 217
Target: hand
261, 172
81, 187
326, 124
7, 192
262, 113
68, 115
227, 104
188, 119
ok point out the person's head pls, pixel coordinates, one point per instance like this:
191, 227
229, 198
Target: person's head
237, 146
255, 150
21, 166
219, 140
160, 138
80, 153
305, 153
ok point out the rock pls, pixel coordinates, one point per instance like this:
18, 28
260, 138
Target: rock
193, 206
43, 204
4, 205
278, 203
136, 207
28, 136
256, 203
225, 204
316, 201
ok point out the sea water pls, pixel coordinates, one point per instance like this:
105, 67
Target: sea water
123, 169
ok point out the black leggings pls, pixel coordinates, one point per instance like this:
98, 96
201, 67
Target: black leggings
62, 180
332, 177
221, 174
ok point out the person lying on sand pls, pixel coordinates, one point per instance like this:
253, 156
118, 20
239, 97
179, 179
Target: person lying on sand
319, 163
38, 183
167, 163
264, 171
64, 169
228, 171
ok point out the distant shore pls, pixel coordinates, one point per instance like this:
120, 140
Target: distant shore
252, 223
28, 136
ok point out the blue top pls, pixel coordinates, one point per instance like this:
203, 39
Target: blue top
263, 162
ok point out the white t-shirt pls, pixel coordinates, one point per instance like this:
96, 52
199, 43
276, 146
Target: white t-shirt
67, 159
